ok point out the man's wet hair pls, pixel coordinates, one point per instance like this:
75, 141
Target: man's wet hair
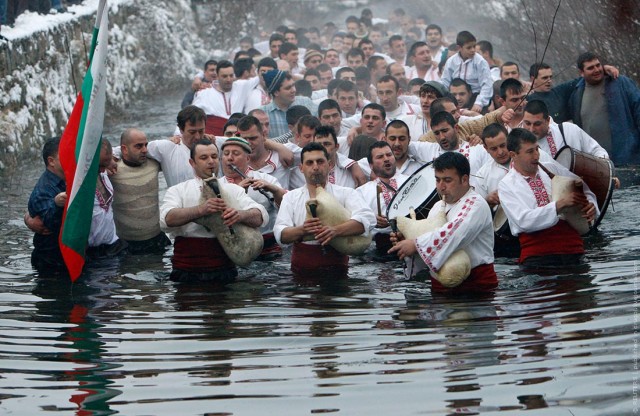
452, 160
535, 69
441, 117
200, 142
313, 147
295, 112
191, 114
309, 122
536, 107
492, 130
246, 122
377, 107
50, 149
327, 104
518, 136
511, 85
326, 131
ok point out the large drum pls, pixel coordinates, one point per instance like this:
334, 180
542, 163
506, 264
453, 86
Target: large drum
417, 193
595, 171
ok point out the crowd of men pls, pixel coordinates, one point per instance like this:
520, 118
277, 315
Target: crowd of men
356, 112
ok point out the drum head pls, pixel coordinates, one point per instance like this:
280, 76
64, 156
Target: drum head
418, 192
565, 157
499, 219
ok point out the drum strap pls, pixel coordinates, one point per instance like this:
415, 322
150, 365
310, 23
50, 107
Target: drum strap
562, 133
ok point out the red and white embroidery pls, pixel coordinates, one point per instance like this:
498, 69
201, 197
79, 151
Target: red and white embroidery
539, 191
332, 176
442, 237
552, 144
387, 194
464, 148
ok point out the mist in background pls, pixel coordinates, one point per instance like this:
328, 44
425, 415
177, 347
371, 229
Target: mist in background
518, 29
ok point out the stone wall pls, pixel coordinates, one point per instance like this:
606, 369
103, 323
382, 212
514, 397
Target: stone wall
151, 44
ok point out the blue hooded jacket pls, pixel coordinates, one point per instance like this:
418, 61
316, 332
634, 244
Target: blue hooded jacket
623, 105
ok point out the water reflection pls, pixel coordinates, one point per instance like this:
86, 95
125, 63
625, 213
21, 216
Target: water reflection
75, 305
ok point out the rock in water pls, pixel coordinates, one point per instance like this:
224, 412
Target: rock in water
457, 267
561, 186
245, 244
332, 213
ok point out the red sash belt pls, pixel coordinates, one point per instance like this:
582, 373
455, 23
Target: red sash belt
559, 239
482, 278
215, 125
270, 245
199, 255
310, 257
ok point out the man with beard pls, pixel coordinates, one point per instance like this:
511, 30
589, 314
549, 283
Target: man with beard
468, 227
513, 97
197, 254
608, 110
379, 192
293, 226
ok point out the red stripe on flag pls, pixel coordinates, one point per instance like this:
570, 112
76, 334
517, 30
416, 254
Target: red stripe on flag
67, 155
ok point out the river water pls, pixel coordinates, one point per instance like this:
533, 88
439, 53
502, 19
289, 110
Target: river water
126, 340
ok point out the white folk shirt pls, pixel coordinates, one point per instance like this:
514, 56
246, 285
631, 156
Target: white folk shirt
275, 168
369, 194
187, 194
103, 228
475, 71
293, 211
271, 209
574, 136
256, 98
404, 109
418, 125
431, 74
520, 204
469, 226
491, 173
427, 152
223, 104
173, 159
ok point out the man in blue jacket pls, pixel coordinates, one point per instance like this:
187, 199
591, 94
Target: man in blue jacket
608, 110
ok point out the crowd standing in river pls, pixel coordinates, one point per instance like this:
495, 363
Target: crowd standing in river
308, 136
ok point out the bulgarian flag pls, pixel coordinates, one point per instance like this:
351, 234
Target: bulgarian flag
80, 150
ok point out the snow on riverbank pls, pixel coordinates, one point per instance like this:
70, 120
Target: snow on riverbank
153, 46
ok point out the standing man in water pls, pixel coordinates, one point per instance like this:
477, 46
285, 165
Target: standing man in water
546, 240
136, 209
608, 110
468, 227
292, 225
46, 203
197, 254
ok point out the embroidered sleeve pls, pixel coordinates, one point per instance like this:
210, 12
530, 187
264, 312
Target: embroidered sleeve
437, 246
